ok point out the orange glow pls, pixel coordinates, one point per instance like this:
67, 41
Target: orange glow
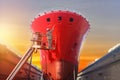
17, 36
85, 61
36, 60
18, 39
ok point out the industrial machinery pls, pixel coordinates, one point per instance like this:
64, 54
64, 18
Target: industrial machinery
9, 59
58, 36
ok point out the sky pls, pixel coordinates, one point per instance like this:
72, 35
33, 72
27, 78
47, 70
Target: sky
103, 16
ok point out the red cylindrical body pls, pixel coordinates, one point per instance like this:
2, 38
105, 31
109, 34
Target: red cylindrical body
69, 29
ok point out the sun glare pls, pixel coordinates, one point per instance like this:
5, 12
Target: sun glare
10, 37
5, 33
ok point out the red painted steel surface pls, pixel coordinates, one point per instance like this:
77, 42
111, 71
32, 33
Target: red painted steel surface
68, 31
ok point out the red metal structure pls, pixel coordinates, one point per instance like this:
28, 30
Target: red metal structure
59, 59
58, 35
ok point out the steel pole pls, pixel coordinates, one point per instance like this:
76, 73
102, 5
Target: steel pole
20, 64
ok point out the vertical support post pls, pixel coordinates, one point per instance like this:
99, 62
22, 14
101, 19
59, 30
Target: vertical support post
30, 67
74, 75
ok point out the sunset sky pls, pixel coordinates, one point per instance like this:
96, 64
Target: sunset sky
103, 15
